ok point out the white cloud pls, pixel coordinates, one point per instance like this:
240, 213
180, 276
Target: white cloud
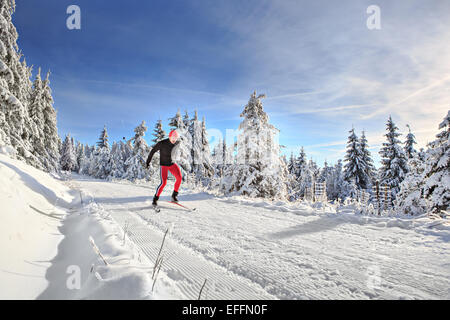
320, 60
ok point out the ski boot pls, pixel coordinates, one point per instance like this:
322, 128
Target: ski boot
174, 196
155, 204
155, 201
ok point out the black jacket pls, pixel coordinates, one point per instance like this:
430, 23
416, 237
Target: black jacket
165, 150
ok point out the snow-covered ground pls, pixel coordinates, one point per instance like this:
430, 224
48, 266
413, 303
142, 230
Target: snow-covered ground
246, 249
249, 249
45, 248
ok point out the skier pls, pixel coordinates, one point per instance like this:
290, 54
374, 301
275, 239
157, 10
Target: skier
166, 164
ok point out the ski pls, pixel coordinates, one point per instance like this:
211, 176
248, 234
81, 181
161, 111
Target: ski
156, 208
188, 209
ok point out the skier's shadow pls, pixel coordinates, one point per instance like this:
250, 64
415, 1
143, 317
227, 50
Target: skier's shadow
317, 225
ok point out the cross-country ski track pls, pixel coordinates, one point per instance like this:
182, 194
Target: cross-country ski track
259, 250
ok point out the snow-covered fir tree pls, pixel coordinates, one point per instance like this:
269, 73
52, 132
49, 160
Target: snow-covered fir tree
437, 172
339, 188
136, 163
409, 144
120, 152
36, 114
369, 167
158, 133
68, 157
393, 160
195, 130
206, 151
291, 163
325, 172
117, 160
103, 139
100, 159
218, 157
13, 110
80, 152
228, 153
300, 163
50, 130
355, 167
303, 173
102, 163
259, 171
22, 114
410, 199
188, 122
201, 154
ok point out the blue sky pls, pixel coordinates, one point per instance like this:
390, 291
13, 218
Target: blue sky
322, 69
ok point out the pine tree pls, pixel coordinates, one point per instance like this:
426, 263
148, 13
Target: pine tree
301, 163
50, 130
437, 173
36, 114
158, 132
13, 111
218, 157
410, 198
136, 163
355, 168
68, 157
195, 131
409, 144
120, 153
188, 122
369, 167
260, 172
291, 163
16, 127
341, 188
302, 173
117, 161
100, 160
228, 153
103, 139
80, 157
394, 165
206, 151
102, 164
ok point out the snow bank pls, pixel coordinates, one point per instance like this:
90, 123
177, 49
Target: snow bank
45, 252
29, 219
128, 272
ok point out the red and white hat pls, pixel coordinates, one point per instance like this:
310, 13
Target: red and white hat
174, 134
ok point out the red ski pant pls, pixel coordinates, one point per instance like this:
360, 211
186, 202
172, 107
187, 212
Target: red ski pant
175, 171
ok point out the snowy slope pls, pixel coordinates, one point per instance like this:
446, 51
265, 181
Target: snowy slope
246, 249
255, 249
31, 211
44, 244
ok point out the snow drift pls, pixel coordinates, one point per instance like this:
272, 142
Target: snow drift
45, 252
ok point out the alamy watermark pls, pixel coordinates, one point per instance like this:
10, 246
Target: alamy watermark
374, 20
73, 22
73, 281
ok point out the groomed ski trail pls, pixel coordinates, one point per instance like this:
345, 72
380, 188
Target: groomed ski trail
254, 251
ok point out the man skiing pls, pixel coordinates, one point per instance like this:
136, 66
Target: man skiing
166, 164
